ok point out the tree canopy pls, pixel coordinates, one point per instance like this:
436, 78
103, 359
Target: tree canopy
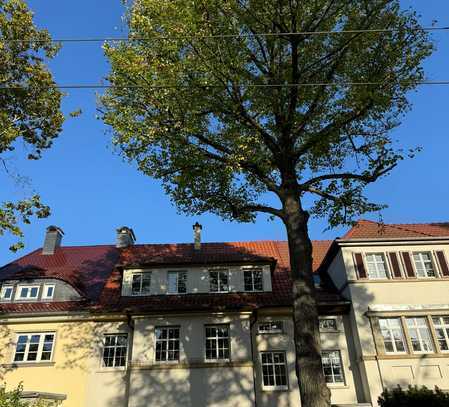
29, 102
212, 108
230, 103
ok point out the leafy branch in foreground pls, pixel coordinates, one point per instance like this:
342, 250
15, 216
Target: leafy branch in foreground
30, 103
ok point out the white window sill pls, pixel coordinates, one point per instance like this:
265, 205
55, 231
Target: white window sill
30, 364
274, 388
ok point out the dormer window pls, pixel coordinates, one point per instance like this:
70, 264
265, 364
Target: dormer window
27, 292
377, 267
253, 279
6, 293
49, 291
177, 282
219, 281
141, 283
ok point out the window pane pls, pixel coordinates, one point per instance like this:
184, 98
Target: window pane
167, 344
274, 370
217, 342
115, 349
172, 282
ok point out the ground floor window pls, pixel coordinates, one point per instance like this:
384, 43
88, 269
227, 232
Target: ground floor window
332, 366
217, 342
274, 371
167, 344
34, 347
114, 350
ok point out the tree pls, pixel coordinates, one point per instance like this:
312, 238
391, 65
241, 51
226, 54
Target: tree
14, 398
29, 102
236, 104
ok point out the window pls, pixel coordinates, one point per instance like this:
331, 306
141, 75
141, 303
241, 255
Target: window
219, 281
271, 327
376, 264
420, 335
177, 282
393, 335
253, 280
114, 350
328, 324
34, 347
274, 371
30, 292
332, 366
423, 264
217, 342
6, 293
167, 344
49, 291
141, 283
441, 325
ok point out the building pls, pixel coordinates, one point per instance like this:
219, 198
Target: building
209, 324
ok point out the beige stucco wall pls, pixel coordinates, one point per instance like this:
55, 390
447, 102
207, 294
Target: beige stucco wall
420, 296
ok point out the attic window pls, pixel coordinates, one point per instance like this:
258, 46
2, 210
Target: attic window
49, 291
6, 293
27, 292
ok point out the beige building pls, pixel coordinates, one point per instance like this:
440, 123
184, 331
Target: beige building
205, 325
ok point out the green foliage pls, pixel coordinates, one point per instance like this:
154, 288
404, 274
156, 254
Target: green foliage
29, 101
414, 397
13, 399
205, 114
14, 213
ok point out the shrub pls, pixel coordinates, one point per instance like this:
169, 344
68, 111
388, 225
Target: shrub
414, 396
13, 398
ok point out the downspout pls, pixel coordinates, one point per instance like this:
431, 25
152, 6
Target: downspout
130, 323
253, 321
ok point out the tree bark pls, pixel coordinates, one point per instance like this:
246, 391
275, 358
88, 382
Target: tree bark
312, 384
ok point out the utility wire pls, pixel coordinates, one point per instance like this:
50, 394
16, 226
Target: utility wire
287, 85
227, 36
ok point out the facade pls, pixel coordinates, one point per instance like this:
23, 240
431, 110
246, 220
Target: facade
210, 324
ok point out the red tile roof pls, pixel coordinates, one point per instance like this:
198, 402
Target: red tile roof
365, 229
96, 272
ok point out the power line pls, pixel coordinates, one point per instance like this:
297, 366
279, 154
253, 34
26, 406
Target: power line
226, 36
287, 85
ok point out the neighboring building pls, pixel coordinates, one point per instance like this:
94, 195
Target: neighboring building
209, 324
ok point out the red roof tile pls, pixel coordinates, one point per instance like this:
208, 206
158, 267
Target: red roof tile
96, 272
365, 229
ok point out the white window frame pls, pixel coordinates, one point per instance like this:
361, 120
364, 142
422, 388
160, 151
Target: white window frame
253, 270
220, 272
269, 327
423, 263
141, 274
376, 265
114, 347
3, 292
215, 340
441, 325
45, 290
275, 387
167, 342
413, 324
327, 329
40, 348
178, 274
28, 297
390, 329
331, 365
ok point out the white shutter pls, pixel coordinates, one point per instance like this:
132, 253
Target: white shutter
127, 282
267, 278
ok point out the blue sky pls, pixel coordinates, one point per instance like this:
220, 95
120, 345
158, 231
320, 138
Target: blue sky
92, 191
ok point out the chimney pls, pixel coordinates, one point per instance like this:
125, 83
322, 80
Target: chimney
52, 241
197, 235
125, 237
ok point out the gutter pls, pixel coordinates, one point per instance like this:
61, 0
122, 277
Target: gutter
131, 325
251, 326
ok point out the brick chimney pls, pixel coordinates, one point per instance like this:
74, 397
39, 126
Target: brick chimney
197, 235
52, 240
125, 237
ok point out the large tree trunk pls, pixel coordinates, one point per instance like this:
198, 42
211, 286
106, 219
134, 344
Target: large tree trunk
312, 384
